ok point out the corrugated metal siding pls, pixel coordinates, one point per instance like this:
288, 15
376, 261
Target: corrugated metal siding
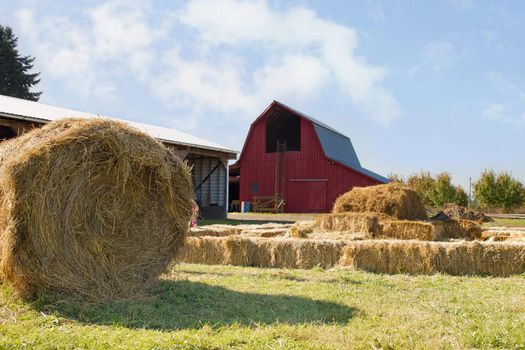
257, 166
212, 191
19, 107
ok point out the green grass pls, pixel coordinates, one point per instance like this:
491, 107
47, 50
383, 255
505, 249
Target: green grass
215, 307
507, 222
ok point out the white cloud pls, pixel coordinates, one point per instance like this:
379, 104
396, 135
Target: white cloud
440, 55
506, 86
234, 56
298, 32
119, 29
374, 10
197, 83
303, 75
499, 113
76, 53
462, 4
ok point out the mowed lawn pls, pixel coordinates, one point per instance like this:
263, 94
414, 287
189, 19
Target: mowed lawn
506, 222
215, 307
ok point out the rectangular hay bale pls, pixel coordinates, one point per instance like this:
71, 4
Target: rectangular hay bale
352, 222
458, 229
403, 229
381, 256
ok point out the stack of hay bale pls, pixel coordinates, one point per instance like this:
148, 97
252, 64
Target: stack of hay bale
392, 211
91, 208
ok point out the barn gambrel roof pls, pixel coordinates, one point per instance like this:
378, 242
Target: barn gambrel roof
336, 146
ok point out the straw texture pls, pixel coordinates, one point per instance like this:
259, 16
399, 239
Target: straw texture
91, 207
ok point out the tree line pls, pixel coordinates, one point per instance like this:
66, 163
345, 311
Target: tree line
492, 191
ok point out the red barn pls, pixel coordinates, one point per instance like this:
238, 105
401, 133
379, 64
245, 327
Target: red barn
293, 158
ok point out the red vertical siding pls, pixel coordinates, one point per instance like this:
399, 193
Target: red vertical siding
257, 166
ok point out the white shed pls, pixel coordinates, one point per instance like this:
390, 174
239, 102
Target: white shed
209, 161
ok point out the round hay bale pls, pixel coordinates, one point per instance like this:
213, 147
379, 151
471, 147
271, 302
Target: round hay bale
393, 199
91, 207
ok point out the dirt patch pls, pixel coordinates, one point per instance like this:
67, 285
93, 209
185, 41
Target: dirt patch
454, 211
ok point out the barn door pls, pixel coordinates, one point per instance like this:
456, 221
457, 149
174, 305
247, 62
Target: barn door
305, 196
316, 195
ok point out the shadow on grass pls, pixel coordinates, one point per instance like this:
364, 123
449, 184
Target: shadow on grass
191, 305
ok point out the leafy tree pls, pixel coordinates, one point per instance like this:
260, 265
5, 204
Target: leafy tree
461, 197
437, 191
499, 191
15, 79
510, 191
422, 183
442, 191
393, 177
486, 190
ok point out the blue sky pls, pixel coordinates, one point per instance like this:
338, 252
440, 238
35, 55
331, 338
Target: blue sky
416, 85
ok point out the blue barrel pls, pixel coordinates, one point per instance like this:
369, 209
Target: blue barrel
245, 207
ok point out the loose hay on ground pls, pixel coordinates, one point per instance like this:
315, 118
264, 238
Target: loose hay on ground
214, 230
223, 230
302, 229
91, 207
382, 256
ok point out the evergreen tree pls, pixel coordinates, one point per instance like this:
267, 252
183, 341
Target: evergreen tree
15, 77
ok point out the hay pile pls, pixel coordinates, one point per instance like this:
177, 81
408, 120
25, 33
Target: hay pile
454, 211
92, 208
508, 234
393, 200
381, 256
223, 230
217, 230
393, 211
301, 229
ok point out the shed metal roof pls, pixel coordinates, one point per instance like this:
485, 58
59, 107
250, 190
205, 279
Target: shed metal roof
40, 112
336, 146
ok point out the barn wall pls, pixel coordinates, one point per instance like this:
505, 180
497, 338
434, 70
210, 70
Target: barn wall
313, 182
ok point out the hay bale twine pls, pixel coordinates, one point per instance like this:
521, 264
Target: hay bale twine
90, 207
393, 199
